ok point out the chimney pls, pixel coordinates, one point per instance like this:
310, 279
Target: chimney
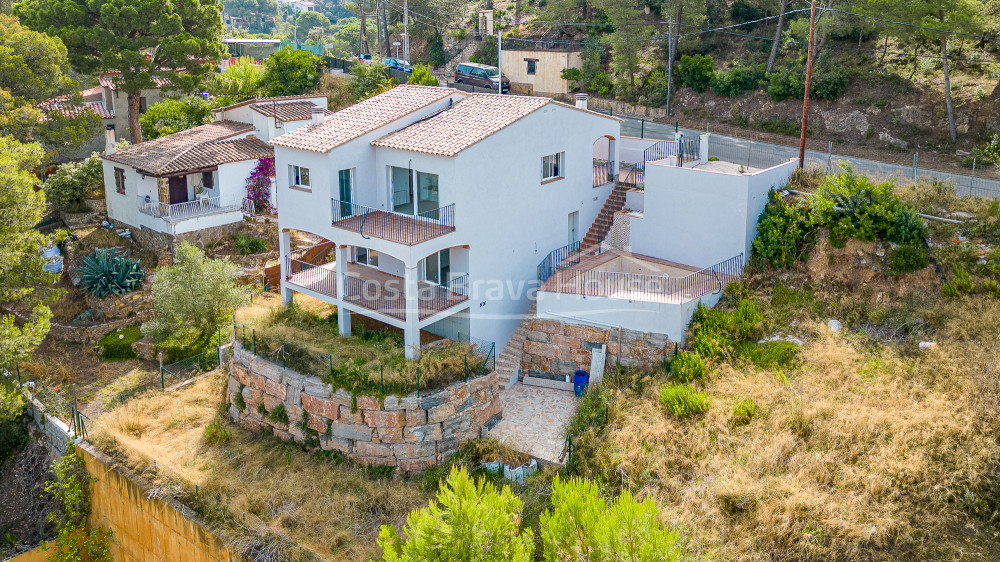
318, 115
109, 140
581, 100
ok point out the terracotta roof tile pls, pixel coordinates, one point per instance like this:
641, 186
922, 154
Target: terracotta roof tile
108, 81
203, 146
256, 101
364, 117
463, 125
288, 111
70, 109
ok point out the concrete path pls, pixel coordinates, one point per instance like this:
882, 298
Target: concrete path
534, 420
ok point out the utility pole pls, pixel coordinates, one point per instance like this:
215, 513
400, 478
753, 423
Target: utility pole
406, 31
500, 61
809, 76
670, 62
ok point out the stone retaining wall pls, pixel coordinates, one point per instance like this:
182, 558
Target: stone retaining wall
553, 347
93, 333
412, 432
123, 306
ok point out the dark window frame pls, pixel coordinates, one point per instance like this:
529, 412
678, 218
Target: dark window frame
120, 181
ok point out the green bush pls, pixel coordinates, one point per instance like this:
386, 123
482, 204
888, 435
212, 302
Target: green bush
768, 355
743, 412
696, 71
422, 76
735, 81
785, 232
786, 85
949, 290
748, 320
907, 258
992, 149
683, 401
246, 244
781, 125
828, 84
852, 206
601, 84
963, 281
215, 433
238, 400
990, 286
278, 414
73, 182
435, 50
13, 432
106, 273
172, 116
117, 344
687, 367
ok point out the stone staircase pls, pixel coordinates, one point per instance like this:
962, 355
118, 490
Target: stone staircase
509, 361
448, 70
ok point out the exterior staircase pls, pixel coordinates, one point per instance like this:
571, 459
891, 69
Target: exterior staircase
448, 70
601, 226
509, 361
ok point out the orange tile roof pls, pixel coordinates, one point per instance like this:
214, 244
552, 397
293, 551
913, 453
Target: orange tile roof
70, 109
278, 99
201, 147
364, 117
463, 125
288, 111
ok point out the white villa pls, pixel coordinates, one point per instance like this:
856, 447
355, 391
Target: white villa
451, 212
193, 183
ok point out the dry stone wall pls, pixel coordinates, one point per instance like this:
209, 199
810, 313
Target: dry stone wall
412, 432
552, 347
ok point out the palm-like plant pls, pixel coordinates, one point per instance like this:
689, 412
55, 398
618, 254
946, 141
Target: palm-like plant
105, 273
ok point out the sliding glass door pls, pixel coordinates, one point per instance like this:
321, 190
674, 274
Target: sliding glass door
413, 192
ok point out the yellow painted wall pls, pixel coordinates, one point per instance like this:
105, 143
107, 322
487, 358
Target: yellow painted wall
145, 530
548, 70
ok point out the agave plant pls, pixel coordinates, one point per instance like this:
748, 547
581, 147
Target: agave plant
105, 273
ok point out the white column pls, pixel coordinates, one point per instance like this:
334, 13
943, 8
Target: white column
703, 149
343, 315
284, 250
411, 334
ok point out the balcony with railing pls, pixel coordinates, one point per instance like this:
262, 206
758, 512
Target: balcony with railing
188, 210
392, 226
604, 172
384, 293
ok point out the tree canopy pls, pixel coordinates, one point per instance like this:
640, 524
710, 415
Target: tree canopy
34, 67
170, 116
22, 278
422, 75
242, 80
139, 40
291, 72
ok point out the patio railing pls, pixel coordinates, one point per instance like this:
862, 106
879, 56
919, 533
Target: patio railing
646, 288
188, 209
313, 277
604, 172
559, 259
687, 150
393, 226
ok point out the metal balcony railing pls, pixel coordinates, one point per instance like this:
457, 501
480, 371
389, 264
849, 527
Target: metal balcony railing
317, 278
189, 209
393, 226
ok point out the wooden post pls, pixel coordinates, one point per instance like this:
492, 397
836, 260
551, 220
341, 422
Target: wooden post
809, 73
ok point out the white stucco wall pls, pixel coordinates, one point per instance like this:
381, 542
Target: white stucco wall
504, 214
632, 149
700, 217
264, 127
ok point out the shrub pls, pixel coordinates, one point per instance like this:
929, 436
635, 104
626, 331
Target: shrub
278, 414
469, 520
687, 367
852, 206
117, 344
215, 433
259, 185
786, 85
785, 231
768, 355
696, 71
13, 421
683, 401
435, 50
963, 282
582, 525
422, 75
246, 244
73, 182
830, 84
907, 258
735, 81
990, 286
743, 412
748, 320
106, 273
949, 290
601, 83
992, 149
238, 400
171, 116
781, 125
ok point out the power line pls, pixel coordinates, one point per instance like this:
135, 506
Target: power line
915, 26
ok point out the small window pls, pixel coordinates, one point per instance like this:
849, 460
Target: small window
120, 180
366, 256
531, 67
298, 176
552, 166
142, 105
208, 180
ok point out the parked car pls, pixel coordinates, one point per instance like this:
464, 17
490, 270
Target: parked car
482, 75
364, 57
398, 64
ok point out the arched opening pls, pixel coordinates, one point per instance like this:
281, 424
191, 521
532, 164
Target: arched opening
604, 160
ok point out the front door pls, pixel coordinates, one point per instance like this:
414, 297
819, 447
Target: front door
571, 226
344, 177
178, 189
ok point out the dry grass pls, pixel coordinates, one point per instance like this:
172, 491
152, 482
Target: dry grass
331, 508
867, 450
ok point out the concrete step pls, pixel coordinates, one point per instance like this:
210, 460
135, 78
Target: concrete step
547, 383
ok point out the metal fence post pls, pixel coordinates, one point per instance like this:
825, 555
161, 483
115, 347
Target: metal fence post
829, 157
160, 357
381, 379
331, 364
915, 155
642, 128
253, 332
466, 367
418, 381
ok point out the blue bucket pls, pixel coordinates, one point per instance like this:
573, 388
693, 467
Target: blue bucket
580, 381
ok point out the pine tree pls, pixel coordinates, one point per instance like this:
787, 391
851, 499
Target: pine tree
142, 40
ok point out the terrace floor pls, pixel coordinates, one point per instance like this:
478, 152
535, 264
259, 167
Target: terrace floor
394, 227
535, 420
379, 291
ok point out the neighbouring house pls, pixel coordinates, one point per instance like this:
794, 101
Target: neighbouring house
108, 102
192, 184
299, 5
539, 70
257, 49
441, 204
